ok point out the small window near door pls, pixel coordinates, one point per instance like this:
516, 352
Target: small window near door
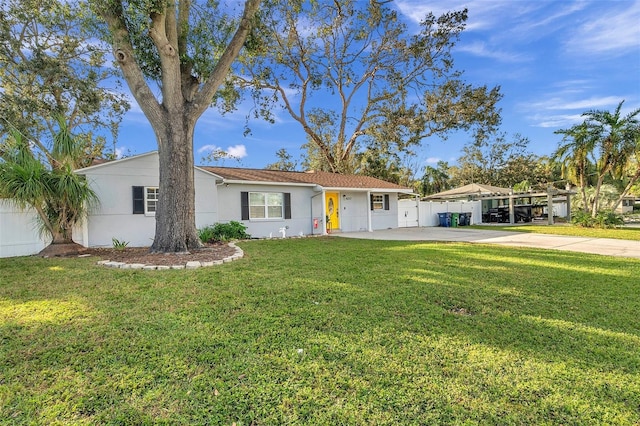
377, 202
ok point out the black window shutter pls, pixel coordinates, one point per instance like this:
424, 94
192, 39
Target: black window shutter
371, 201
138, 199
287, 205
386, 201
244, 205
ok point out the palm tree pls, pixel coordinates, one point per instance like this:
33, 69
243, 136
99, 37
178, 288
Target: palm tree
573, 157
628, 172
609, 138
59, 196
615, 137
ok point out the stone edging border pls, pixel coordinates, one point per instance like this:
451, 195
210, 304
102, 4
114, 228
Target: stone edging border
194, 264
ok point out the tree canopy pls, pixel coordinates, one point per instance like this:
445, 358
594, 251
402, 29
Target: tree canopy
607, 143
186, 48
52, 69
354, 77
501, 161
58, 195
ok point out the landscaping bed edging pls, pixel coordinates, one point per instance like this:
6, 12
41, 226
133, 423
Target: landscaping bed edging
193, 264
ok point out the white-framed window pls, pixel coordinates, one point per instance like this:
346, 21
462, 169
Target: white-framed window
377, 202
266, 205
145, 200
150, 200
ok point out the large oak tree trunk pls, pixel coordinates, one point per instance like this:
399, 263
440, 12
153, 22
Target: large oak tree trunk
175, 216
184, 99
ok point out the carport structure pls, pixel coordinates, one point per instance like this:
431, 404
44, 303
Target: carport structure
499, 202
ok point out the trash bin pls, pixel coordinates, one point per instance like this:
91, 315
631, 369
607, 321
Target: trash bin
462, 219
444, 219
455, 217
467, 218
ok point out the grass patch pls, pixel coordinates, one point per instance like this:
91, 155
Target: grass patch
325, 331
568, 229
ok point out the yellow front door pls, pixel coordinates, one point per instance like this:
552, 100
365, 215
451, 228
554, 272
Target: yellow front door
333, 213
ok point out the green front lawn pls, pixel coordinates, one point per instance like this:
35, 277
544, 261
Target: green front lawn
569, 229
325, 331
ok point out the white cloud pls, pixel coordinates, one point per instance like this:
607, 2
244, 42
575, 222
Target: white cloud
557, 121
560, 103
483, 50
235, 151
612, 30
432, 160
549, 112
121, 152
482, 14
208, 148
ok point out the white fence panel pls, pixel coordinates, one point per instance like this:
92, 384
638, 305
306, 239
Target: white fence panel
429, 211
18, 231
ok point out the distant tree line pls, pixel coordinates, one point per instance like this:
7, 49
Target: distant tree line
599, 158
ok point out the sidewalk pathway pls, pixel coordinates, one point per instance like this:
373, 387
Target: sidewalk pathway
604, 246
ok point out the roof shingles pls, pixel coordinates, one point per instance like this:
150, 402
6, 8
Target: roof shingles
324, 179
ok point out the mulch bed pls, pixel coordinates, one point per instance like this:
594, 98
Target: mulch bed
210, 252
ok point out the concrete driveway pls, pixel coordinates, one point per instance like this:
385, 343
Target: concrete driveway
605, 246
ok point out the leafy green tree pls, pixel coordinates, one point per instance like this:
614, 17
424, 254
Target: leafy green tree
355, 78
379, 164
435, 179
498, 161
59, 196
285, 162
187, 48
53, 68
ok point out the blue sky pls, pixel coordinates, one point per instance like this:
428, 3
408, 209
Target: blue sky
553, 59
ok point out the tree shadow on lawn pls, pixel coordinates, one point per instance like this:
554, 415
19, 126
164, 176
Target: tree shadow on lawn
438, 327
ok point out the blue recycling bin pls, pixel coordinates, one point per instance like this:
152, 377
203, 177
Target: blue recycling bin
444, 219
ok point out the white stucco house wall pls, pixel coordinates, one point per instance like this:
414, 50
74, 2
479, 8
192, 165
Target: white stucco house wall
268, 202
126, 191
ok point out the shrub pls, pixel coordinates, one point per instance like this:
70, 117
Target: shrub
604, 219
223, 232
583, 219
608, 219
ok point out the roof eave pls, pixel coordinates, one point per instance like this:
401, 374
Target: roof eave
346, 188
110, 163
261, 182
